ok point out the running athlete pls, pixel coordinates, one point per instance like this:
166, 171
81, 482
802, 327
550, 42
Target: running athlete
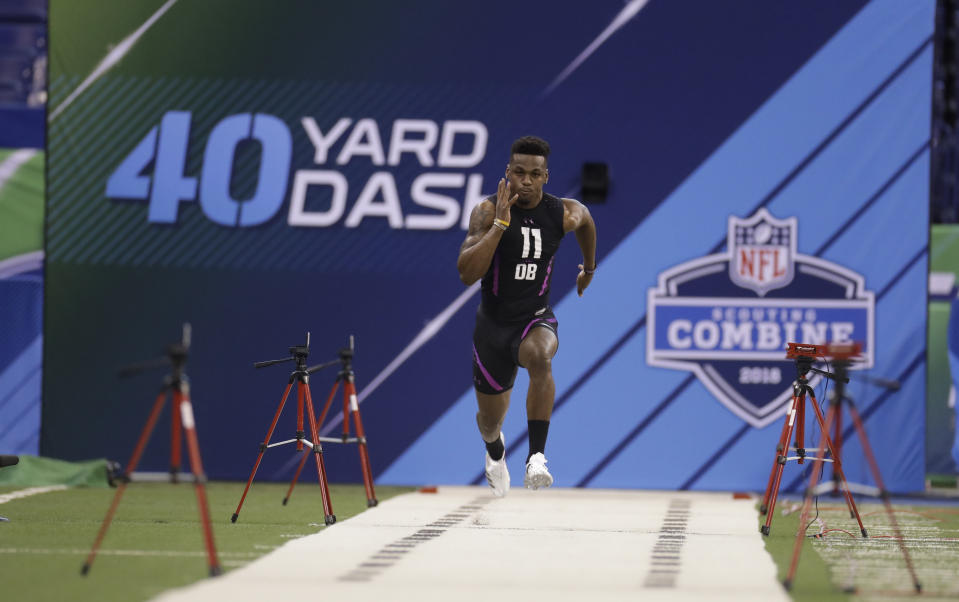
511, 242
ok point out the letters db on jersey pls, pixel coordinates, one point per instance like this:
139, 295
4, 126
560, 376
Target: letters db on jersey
727, 317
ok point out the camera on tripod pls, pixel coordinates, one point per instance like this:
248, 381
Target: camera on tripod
805, 354
841, 356
805, 351
847, 351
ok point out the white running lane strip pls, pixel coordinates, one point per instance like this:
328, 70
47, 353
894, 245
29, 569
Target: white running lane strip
557, 544
112, 58
22, 493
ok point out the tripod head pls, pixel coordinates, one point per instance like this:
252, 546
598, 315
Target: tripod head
843, 355
805, 355
298, 354
178, 352
176, 356
346, 356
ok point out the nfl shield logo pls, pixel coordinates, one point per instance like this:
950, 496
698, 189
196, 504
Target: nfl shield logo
726, 317
761, 250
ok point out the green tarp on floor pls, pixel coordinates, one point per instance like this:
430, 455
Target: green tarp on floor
33, 471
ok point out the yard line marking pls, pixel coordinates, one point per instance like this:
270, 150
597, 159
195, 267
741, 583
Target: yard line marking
388, 555
12, 163
163, 553
19, 264
22, 493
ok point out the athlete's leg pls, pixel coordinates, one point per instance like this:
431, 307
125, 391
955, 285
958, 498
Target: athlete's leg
536, 355
492, 412
489, 419
493, 373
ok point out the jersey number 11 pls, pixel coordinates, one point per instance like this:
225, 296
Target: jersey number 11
537, 242
527, 271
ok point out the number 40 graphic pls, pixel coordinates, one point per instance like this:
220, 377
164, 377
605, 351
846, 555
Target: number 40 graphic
166, 146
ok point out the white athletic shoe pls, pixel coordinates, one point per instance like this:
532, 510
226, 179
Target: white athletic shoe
537, 475
496, 473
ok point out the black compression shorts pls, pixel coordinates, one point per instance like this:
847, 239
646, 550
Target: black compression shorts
496, 348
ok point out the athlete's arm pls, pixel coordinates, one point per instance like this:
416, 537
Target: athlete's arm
483, 237
576, 218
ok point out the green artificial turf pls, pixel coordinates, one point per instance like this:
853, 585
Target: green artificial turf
813, 580
875, 567
155, 541
21, 209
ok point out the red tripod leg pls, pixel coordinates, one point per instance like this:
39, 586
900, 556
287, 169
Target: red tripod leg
837, 443
196, 464
804, 515
300, 433
800, 434
175, 443
121, 487
781, 464
874, 467
263, 447
329, 518
346, 408
319, 422
836, 429
836, 460
350, 388
780, 447
329, 402
296, 476
299, 468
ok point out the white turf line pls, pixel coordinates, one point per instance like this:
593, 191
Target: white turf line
557, 544
108, 552
22, 493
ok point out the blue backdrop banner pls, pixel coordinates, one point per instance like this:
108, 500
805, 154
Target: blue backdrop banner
768, 181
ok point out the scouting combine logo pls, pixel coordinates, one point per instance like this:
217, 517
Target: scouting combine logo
727, 317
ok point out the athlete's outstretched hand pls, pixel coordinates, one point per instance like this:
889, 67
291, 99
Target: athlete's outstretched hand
583, 280
503, 200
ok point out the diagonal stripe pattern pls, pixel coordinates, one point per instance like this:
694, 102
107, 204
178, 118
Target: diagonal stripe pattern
852, 112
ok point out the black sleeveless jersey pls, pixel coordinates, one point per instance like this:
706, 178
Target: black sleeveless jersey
517, 283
